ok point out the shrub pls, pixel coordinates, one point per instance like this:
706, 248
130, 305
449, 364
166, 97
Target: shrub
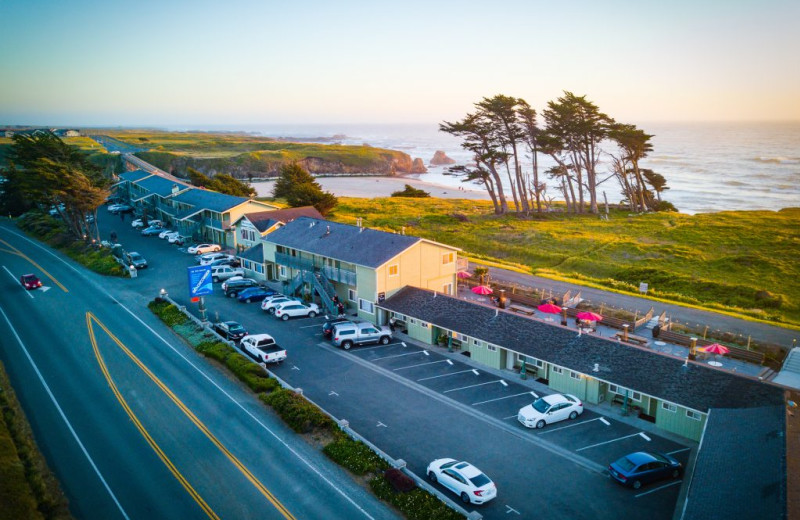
215, 350
250, 373
168, 313
297, 412
415, 505
354, 455
399, 480
412, 192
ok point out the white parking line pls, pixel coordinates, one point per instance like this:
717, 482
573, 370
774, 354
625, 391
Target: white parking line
446, 375
604, 421
501, 398
307, 326
678, 451
422, 364
568, 426
15, 278
362, 349
401, 355
658, 488
472, 386
607, 442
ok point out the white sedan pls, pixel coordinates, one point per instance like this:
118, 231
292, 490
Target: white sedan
550, 409
166, 233
271, 302
288, 310
463, 479
199, 249
210, 258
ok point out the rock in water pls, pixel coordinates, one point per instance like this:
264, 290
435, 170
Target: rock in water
440, 158
418, 166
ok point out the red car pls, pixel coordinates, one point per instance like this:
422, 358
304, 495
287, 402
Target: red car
30, 281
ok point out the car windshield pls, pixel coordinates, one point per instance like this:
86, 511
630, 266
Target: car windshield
480, 480
625, 464
136, 256
540, 405
235, 328
29, 278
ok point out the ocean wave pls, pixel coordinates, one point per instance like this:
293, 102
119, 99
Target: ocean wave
777, 160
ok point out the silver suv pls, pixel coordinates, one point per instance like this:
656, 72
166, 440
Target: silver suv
347, 334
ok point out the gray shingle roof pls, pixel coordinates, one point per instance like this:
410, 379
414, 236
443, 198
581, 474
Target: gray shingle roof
135, 175
695, 386
210, 200
360, 246
263, 220
159, 185
740, 472
254, 254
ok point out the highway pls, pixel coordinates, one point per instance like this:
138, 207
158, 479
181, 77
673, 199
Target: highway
134, 423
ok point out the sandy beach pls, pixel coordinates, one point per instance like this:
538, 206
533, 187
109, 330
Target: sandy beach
367, 187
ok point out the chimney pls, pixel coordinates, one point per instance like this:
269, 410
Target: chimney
175, 189
692, 347
311, 224
596, 367
434, 294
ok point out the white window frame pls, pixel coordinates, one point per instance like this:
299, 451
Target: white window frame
423, 324
691, 414
614, 389
574, 375
492, 348
450, 255
476, 342
447, 288
557, 370
282, 271
669, 407
389, 270
539, 363
633, 395
412, 321
351, 295
366, 306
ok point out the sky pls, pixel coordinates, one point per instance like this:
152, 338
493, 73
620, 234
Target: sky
139, 63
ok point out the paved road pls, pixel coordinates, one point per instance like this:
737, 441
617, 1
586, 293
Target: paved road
135, 424
759, 331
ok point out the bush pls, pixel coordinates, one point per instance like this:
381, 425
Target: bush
411, 191
415, 505
354, 455
215, 350
297, 412
168, 313
250, 373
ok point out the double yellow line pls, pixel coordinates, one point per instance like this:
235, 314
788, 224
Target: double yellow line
90, 319
14, 251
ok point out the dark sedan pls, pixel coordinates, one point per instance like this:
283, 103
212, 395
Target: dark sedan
642, 467
255, 294
230, 330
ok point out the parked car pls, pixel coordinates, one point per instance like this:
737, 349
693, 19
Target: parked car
209, 258
223, 272
152, 231
230, 330
270, 303
463, 479
166, 233
136, 260
254, 294
347, 334
327, 327
263, 348
30, 281
120, 208
113, 208
178, 239
139, 223
550, 409
232, 288
288, 310
199, 249
643, 467
232, 262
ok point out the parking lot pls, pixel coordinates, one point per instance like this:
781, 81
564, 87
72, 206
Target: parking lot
419, 403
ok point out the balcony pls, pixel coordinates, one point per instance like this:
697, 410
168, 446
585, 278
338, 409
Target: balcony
345, 276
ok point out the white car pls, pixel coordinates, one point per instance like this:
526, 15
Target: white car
271, 302
550, 409
167, 233
263, 348
463, 479
288, 310
176, 238
199, 249
210, 258
223, 272
139, 223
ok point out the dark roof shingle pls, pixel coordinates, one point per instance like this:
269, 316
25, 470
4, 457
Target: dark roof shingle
254, 254
134, 176
211, 200
263, 220
158, 185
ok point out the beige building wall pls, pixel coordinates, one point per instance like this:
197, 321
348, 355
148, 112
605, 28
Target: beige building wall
426, 265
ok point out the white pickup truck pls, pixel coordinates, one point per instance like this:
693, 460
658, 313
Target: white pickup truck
262, 348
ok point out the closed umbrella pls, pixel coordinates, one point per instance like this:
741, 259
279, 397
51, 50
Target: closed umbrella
482, 289
463, 274
549, 308
589, 316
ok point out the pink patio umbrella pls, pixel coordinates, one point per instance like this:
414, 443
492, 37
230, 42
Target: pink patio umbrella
482, 289
463, 275
715, 348
549, 308
589, 316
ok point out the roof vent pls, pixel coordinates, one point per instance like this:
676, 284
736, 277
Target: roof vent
360, 229
175, 189
496, 313
311, 224
327, 230
434, 294
596, 367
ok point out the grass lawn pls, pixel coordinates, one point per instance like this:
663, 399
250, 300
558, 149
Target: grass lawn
743, 261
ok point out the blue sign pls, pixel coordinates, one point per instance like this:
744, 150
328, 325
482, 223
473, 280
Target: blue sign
200, 280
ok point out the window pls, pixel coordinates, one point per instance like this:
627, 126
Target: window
412, 321
670, 407
636, 396
259, 268
614, 389
539, 363
351, 295
492, 348
447, 288
448, 258
366, 306
693, 415
558, 370
394, 270
475, 342
282, 271
575, 375
423, 325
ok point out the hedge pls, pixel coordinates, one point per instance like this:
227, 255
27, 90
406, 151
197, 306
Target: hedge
415, 505
354, 455
297, 412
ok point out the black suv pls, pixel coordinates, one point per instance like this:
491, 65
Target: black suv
234, 287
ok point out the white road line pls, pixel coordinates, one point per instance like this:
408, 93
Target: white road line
567, 426
511, 509
501, 398
658, 488
607, 442
510, 417
15, 279
678, 451
63, 416
421, 364
401, 355
444, 375
472, 386
645, 437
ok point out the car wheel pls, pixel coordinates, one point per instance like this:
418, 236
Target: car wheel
312, 314
465, 498
384, 340
233, 295
540, 424
347, 345
271, 310
573, 415
248, 300
285, 317
675, 473
432, 476
215, 279
637, 484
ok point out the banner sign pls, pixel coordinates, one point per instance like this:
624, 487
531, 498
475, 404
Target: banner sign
200, 280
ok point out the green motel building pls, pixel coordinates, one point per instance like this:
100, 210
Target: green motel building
675, 394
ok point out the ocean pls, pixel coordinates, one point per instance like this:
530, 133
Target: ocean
709, 167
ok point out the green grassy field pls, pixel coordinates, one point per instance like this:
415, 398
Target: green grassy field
744, 262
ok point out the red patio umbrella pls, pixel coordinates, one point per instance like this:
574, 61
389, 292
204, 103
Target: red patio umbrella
589, 316
463, 274
715, 348
549, 308
482, 289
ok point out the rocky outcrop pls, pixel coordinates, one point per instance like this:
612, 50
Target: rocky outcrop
440, 159
418, 166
